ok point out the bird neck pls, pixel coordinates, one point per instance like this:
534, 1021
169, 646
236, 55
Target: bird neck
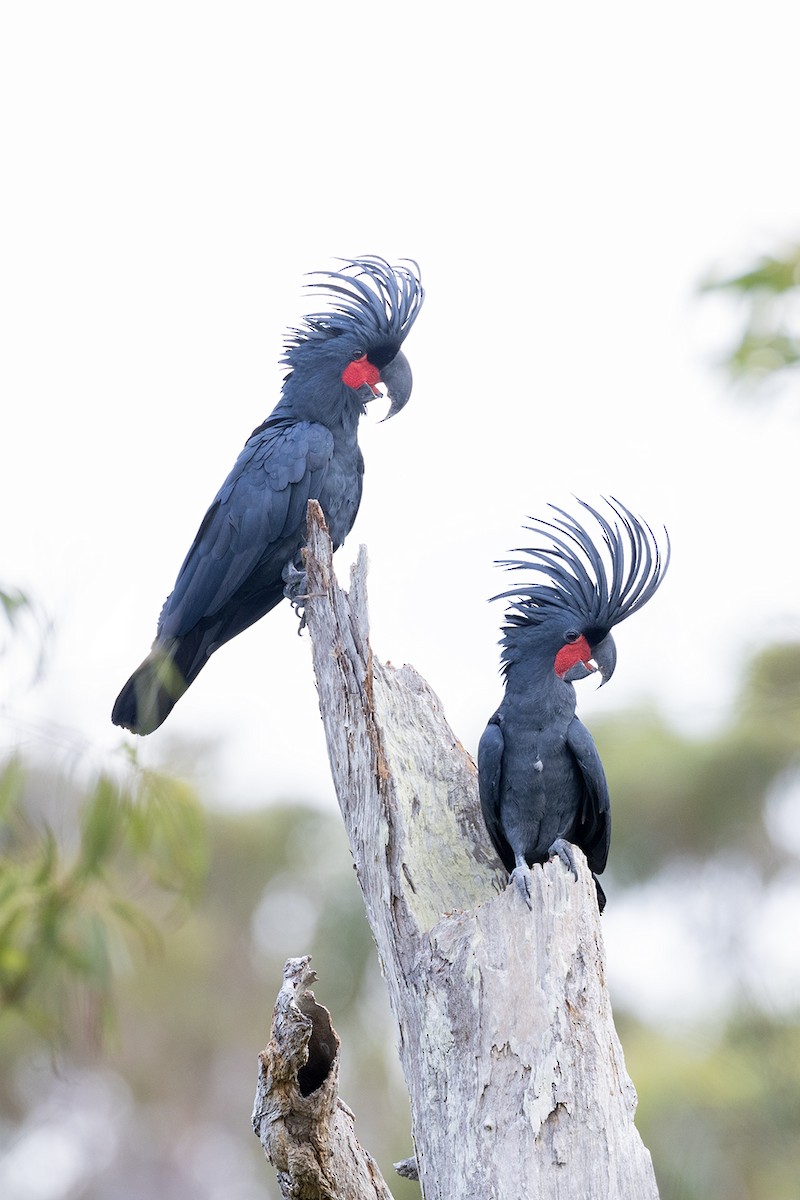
336, 406
535, 678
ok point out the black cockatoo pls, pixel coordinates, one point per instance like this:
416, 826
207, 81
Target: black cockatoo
246, 555
542, 785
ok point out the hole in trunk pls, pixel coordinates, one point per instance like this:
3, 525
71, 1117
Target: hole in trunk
323, 1046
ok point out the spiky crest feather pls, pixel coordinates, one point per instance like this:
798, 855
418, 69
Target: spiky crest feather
597, 590
368, 296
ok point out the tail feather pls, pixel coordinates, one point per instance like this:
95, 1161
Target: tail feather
156, 686
152, 691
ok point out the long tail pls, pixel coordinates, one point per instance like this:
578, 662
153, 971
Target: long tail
156, 686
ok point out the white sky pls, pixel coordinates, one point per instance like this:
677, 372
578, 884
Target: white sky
564, 175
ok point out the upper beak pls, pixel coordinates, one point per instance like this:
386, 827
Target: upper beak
605, 656
396, 376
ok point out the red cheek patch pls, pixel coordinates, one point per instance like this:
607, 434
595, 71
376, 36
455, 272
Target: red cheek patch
359, 372
572, 653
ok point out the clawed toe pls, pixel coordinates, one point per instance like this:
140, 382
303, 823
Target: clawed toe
563, 850
521, 878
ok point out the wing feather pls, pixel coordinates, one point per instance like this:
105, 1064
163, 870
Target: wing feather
490, 769
593, 829
257, 512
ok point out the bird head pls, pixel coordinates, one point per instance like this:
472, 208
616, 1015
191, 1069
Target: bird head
581, 654
593, 583
356, 341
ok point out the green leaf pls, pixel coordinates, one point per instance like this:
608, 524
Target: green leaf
773, 275
13, 603
102, 827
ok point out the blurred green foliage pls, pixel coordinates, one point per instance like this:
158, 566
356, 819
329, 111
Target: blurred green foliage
72, 901
719, 1112
23, 624
675, 796
769, 295
91, 863
719, 1105
13, 602
118, 895
189, 1022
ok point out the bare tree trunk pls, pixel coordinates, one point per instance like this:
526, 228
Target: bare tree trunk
516, 1075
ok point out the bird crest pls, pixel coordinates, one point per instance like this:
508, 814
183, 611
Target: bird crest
367, 296
598, 580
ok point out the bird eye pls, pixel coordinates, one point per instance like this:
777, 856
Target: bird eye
571, 635
359, 355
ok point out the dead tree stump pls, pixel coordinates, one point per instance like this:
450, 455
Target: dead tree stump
506, 1037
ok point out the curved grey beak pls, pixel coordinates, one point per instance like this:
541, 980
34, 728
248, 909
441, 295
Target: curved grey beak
605, 655
396, 377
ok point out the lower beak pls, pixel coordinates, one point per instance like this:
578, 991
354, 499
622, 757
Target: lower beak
580, 670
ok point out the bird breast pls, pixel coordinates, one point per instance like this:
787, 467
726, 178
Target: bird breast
341, 492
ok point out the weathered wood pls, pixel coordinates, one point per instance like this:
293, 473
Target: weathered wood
516, 1075
305, 1129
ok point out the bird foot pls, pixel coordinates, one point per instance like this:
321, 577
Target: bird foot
295, 584
563, 850
521, 878
295, 589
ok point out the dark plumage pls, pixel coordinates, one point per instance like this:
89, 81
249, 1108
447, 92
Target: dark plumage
542, 785
246, 555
